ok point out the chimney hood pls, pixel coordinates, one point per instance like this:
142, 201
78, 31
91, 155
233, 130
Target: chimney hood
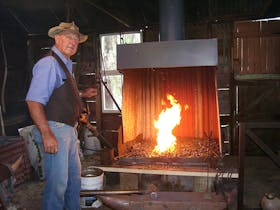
172, 50
168, 54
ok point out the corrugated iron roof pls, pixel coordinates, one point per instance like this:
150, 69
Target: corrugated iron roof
36, 17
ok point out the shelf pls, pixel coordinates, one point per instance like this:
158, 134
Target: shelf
242, 77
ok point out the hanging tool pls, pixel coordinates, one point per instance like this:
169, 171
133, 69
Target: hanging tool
84, 120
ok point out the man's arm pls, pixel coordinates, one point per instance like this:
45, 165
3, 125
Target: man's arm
37, 114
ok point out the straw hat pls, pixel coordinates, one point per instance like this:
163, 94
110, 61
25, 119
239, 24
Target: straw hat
67, 27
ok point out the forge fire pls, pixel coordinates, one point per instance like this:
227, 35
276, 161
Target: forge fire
168, 119
166, 143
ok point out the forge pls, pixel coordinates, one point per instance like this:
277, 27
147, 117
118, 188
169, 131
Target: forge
155, 71
175, 77
186, 70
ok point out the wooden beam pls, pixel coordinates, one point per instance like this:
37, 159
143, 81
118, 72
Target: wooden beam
241, 164
263, 125
189, 171
245, 129
257, 76
263, 146
257, 101
108, 13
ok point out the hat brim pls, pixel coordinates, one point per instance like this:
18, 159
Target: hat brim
56, 30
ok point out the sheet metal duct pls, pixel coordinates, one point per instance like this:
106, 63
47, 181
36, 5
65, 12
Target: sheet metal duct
172, 26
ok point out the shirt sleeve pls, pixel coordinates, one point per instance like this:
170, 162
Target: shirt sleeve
43, 81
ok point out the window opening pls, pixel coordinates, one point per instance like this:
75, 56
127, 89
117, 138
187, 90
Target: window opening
111, 78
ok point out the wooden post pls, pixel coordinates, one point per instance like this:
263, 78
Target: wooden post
241, 159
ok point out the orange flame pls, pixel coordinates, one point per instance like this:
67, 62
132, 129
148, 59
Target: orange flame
168, 119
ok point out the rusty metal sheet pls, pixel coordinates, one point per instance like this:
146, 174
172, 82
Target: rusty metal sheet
11, 147
166, 200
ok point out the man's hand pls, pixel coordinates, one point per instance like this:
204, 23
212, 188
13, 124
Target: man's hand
88, 93
50, 143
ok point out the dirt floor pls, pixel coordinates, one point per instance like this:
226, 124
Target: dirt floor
261, 176
28, 196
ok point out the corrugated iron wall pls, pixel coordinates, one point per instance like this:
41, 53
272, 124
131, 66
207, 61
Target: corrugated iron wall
11, 148
226, 10
246, 7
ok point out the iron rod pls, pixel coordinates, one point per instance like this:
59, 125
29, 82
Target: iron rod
85, 193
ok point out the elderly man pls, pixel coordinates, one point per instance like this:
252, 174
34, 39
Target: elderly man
54, 104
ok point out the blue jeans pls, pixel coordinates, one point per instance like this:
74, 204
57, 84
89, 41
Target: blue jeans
62, 170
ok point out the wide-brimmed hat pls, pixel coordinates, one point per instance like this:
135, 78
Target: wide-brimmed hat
67, 27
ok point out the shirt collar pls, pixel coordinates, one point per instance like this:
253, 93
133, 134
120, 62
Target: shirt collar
62, 57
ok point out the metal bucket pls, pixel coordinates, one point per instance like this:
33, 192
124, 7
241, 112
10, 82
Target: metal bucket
91, 179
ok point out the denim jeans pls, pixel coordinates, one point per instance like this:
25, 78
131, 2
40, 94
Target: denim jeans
62, 170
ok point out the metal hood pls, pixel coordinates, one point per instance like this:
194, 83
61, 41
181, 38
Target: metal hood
168, 54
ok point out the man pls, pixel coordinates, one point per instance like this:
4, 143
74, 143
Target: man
54, 105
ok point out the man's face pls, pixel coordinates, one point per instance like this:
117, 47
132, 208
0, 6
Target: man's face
67, 43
